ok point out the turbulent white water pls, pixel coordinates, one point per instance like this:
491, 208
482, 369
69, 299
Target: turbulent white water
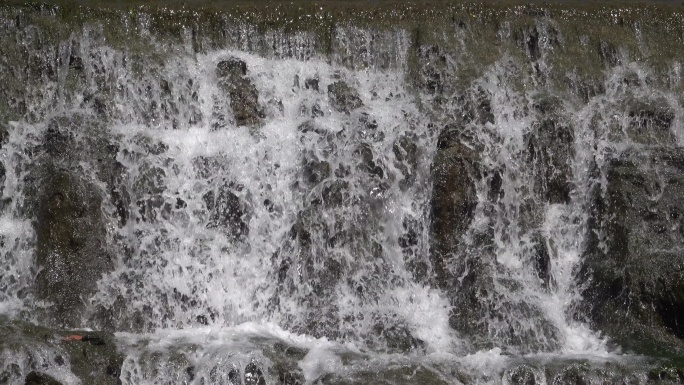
318, 203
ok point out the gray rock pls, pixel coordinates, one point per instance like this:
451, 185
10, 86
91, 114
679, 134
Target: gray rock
367, 161
226, 212
522, 375
314, 170
3, 176
311, 83
244, 97
343, 98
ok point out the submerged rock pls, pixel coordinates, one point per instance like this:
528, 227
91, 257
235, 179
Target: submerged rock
244, 97
226, 212
343, 98
37, 378
254, 375
636, 281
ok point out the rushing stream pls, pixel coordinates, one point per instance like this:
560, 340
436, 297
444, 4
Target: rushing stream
341, 194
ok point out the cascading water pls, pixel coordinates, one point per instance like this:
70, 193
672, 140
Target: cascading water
337, 195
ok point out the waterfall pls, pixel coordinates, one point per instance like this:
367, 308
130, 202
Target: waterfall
304, 194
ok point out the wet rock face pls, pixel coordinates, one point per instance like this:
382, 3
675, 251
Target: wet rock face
244, 97
70, 251
343, 98
637, 281
550, 148
453, 201
433, 74
34, 354
67, 209
522, 375
650, 123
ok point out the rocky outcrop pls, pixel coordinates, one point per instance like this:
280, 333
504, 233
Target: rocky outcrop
244, 97
636, 279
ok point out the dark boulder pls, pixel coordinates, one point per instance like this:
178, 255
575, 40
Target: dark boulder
70, 252
67, 207
635, 291
233, 67
244, 97
315, 170
343, 98
609, 54
541, 259
254, 375
573, 375
311, 83
37, 378
454, 172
